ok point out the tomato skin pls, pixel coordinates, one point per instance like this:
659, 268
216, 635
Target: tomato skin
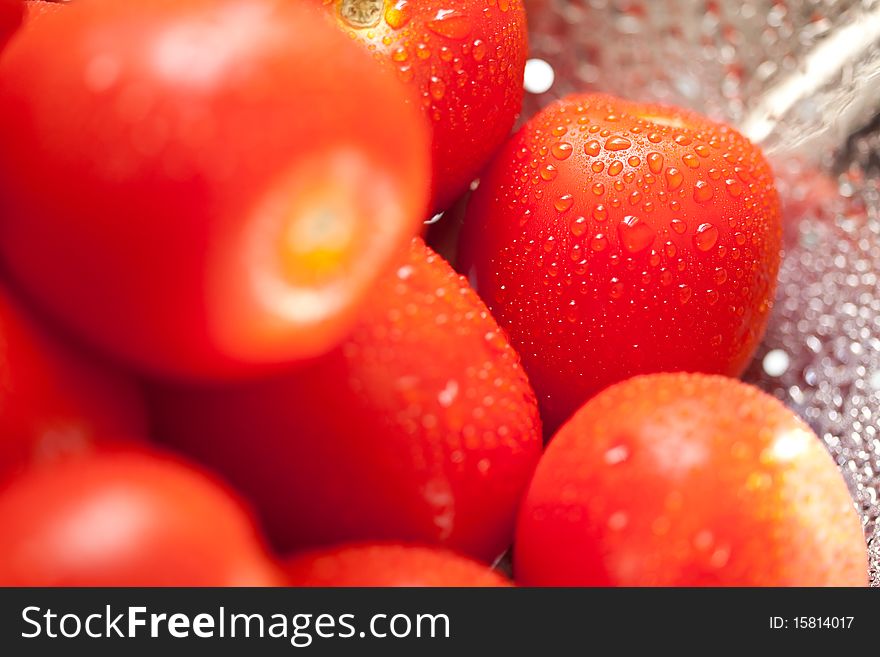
688, 480
388, 564
174, 214
607, 245
11, 17
463, 61
55, 400
127, 518
420, 427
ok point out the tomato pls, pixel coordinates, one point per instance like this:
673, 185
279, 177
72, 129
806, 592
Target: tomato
420, 427
388, 564
688, 480
612, 238
55, 400
464, 62
11, 16
127, 518
36, 8
193, 209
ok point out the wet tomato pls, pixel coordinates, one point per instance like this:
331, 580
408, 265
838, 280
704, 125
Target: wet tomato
55, 400
127, 518
611, 238
462, 59
388, 564
688, 480
193, 209
421, 426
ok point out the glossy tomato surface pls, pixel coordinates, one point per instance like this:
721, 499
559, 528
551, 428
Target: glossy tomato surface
688, 480
54, 399
124, 518
463, 61
420, 427
612, 238
226, 179
388, 564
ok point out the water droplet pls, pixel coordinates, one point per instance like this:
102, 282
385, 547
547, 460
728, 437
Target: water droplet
599, 242
597, 166
422, 51
561, 150
398, 14
706, 237
635, 235
578, 226
703, 191
617, 144
479, 50
720, 276
615, 167
592, 148
684, 293
702, 150
600, 213
615, 290
549, 244
399, 54
616, 455
564, 203
691, 160
437, 88
655, 162
598, 189
450, 24
655, 137
674, 178
678, 226
734, 188
549, 172
712, 297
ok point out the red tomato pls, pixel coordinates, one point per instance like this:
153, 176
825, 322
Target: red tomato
173, 191
463, 60
126, 518
611, 238
388, 564
420, 427
688, 480
11, 16
53, 400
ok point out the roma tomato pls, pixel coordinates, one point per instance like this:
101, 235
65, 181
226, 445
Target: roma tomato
124, 518
193, 209
420, 427
388, 564
462, 59
611, 238
53, 399
688, 480
11, 16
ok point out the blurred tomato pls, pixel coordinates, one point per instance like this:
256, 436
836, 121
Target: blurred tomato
53, 399
123, 518
388, 564
420, 427
612, 238
688, 480
203, 187
462, 59
11, 15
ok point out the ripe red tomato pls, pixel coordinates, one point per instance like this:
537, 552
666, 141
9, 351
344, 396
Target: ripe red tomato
688, 480
123, 518
53, 400
193, 209
11, 16
420, 427
388, 564
611, 238
463, 60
